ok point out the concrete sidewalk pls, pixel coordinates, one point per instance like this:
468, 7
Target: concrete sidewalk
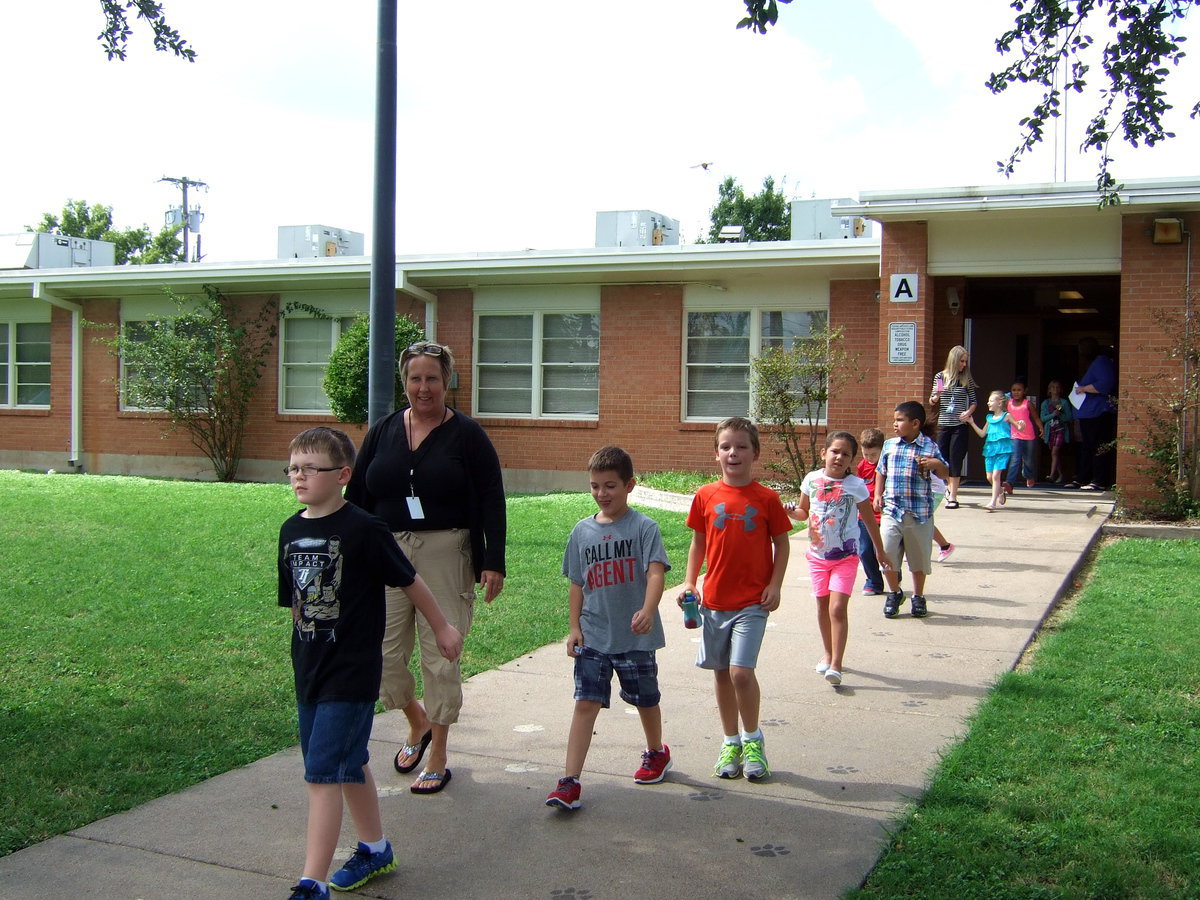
845, 761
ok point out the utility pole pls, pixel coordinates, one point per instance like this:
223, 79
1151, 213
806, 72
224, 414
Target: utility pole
184, 182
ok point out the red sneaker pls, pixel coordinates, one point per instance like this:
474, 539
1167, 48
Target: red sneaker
566, 795
655, 764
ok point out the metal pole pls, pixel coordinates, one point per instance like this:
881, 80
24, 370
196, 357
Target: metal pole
381, 383
184, 182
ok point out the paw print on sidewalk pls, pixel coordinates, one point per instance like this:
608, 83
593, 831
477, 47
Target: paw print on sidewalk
770, 850
773, 722
704, 795
914, 703
842, 770
938, 655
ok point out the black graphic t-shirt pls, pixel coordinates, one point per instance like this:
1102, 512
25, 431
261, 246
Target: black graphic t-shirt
332, 571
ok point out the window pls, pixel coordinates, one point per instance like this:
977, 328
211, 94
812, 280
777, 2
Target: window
25, 363
189, 378
541, 364
720, 345
306, 345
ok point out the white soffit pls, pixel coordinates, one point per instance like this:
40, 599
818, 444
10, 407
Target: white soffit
1026, 245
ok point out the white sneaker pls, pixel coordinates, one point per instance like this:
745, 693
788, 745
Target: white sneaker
834, 677
821, 668
944, 553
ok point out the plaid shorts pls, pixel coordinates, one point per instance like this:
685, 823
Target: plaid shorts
637, 671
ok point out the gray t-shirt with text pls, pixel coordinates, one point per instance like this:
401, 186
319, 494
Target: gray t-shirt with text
609, 562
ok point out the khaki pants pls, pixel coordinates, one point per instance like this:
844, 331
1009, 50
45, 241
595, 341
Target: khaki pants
443, 560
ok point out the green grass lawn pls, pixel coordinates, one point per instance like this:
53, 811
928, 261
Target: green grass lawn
1079, 775
144, 651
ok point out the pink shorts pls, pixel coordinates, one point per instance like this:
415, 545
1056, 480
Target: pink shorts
832, 575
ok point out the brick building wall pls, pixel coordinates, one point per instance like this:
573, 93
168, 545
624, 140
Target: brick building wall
1153, 277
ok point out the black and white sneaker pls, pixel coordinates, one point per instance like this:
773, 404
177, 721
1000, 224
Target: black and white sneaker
918, 607
891, 606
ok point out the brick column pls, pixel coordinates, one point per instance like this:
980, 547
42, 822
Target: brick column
905, 251
1153, 277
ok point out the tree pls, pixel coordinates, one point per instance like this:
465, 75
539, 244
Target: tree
1052, 35
792, 389
202, 368
347, 371
115, 36
133, 245
766, 216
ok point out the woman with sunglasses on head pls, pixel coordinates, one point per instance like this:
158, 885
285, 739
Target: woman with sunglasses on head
433, 475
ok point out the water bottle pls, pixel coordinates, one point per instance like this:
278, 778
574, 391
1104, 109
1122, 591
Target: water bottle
691, 610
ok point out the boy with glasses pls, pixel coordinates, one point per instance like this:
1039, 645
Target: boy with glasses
334, 560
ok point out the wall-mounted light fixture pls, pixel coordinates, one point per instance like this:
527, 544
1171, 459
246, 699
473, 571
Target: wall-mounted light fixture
1168, 231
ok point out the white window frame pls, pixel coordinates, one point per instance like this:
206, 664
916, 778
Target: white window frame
535, 303
12, 365
341, 307
708, 301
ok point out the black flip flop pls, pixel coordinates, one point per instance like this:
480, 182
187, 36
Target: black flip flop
438, 782
951, 504
407, 749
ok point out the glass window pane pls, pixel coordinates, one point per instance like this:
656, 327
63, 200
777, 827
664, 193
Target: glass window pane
33, 394
505, 351
506, 327
718, 350
717, 405
732, 378
307, 340
500, 402
718, 324
570, 403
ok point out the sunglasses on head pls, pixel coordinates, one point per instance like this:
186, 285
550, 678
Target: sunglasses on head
425, 348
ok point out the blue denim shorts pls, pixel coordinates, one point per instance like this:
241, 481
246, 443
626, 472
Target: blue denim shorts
731, 637
333, 739
637, 671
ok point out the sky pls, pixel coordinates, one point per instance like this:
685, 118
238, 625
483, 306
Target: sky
518, 121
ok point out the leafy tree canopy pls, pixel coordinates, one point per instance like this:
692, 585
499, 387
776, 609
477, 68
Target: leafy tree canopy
115, 36
1054, 42
766, 216
1052, 38
133, 245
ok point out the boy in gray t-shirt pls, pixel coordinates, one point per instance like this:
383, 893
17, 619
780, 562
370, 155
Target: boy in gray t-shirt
617, 568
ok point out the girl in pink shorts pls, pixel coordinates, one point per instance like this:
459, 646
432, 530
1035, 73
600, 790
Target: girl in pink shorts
832, 500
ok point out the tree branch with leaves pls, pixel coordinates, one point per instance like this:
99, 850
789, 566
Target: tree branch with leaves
201, 368
792, 389
1138, 58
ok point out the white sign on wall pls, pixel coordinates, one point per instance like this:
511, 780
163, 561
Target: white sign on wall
902, 343
905, 288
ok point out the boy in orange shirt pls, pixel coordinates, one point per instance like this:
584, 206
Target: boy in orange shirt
741, 529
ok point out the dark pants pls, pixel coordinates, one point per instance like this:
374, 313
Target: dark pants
866, 555
1097, 454
952, 441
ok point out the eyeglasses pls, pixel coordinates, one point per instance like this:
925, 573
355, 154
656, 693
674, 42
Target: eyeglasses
425, 348
308, 471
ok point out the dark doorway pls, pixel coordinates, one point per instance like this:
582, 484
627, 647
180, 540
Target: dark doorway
1029, 328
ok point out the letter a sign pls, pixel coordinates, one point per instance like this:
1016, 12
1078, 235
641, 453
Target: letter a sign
905, 288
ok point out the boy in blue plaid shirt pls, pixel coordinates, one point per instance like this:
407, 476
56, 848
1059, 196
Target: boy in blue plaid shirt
904, 495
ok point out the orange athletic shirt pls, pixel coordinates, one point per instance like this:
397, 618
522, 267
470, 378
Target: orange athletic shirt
738, 524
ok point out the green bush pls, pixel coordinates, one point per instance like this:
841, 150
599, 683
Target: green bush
346, 375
